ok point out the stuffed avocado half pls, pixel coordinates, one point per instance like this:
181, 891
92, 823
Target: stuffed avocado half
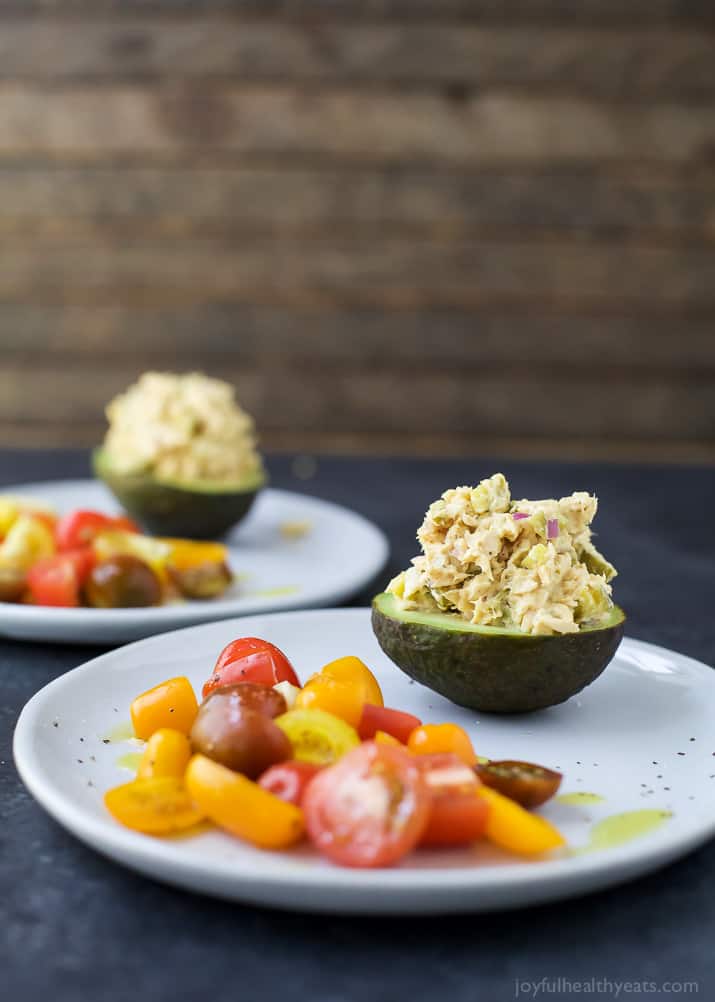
180, 455
508, 608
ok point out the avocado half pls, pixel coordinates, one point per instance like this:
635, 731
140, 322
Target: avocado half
492, 669
195, 510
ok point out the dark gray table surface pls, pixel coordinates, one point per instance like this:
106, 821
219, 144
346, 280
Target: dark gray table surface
80, 927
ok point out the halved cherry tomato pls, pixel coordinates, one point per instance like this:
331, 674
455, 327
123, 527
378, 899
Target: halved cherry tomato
317, 736
288, 780
54, 581
343, 699
383, 738
167, 753
458, 815
169, 704
431, 739
512, 827
368, 810
79, 527
241, 806
354, 672
83, 559
249, 659
155, 806
529, 784
381, 718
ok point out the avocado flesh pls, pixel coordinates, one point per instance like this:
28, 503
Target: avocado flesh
201, 510
492, 669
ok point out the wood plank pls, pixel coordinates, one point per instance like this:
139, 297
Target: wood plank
151, 201
317, 444
402, 274
605, 63
139, 122
377, 400
641, 12
488, 339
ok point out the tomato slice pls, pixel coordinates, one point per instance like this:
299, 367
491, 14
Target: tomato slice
317, 736
156, 806
381, 718
458, 814
54, 581
83, 559
528, 784
289, 780
368, 810
249, 659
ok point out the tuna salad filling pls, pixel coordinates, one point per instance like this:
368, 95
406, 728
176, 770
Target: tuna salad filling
523, 565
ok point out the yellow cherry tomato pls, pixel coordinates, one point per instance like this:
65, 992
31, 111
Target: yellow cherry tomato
185, 554
167, 753
155, 806
241, 806
169, 704
353, 671
511, 827
383, 738
434, 739
317, 736
342, 699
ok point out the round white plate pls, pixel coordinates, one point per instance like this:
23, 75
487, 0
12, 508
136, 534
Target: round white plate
640, 738
339, 554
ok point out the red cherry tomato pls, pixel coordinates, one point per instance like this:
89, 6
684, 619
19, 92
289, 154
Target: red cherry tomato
370, 808
249, 659
289, 780
54, 581
380, 718
458, 814
78, 528
83, 559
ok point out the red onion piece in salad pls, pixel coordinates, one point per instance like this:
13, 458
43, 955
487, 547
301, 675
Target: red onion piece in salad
517, 515
552, 528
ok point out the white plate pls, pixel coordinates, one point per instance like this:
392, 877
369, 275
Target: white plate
337, 557
640, 737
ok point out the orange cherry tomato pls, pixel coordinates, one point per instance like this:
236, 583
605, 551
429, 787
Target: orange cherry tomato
241, 806
249, 659
289, 780
156, 806
370, 809
381, 718
353, 671
342, 699
383, 738
458, 815
169, 704
431, 739
512, 827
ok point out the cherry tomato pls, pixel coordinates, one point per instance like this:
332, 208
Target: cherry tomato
342, 699
289, 780
458, 814
250, 659
381, 718
370, 809
354, 672
83, 559
170, 704
515, 829
234, 726
528, 784
78, 528
317, 736
431, 739
54, 581
156, 806
124, 523
122, 582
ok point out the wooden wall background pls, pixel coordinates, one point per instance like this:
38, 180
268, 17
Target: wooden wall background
403, 225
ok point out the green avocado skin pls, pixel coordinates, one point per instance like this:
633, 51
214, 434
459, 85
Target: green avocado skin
165, 510
496, 673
